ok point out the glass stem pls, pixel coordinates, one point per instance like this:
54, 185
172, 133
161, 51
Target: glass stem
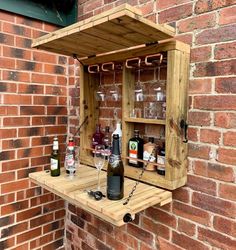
98, 188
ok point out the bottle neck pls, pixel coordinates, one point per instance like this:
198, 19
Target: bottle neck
118, 126
115, 147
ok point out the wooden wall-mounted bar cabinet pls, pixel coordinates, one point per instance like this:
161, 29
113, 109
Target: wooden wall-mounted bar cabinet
117, 35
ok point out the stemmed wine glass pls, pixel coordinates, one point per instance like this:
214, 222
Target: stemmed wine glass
99, 160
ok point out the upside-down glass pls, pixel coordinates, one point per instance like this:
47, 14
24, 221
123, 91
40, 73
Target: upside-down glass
99, 160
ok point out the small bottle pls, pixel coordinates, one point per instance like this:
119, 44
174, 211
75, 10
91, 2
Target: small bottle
55, 158
135, 148
107, 142
97, 136
149, 153
115, 172
161, 159
118, 131
70, 156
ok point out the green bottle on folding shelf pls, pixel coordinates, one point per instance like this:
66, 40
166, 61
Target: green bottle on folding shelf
55, 158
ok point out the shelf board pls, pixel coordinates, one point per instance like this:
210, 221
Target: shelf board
145, 121
73, 191
116, 29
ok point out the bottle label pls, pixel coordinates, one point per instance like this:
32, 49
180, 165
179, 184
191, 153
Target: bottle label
114, 185
133, 151
114, 160
54, 164
161, 159
55, 145
148, 157
70, 161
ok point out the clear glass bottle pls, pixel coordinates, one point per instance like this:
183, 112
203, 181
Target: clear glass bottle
149, 153
70, 157
55, 158
135, 150
115, 172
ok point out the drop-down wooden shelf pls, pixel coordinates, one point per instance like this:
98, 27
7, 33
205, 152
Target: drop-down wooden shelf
74, 192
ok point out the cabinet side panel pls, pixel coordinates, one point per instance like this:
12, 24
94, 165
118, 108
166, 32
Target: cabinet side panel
177, 105
88, 107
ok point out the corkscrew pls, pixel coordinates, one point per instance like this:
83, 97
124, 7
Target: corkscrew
97, 195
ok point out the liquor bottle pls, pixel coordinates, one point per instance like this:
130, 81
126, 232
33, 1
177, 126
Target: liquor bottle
97, 136
136, 150
55, 158
118, 131
107, 142
70, 156
149, 153
161, 159
115, 172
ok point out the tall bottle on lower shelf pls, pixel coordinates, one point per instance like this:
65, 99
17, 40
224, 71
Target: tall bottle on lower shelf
55, 158
115, 172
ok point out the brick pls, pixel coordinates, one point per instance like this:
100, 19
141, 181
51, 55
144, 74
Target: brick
219, 102
16, 53
8, 87
8, 110
218, 35
7, 63
161, 216
166, 245
214, 205
32, 131
187, 242
114, 243
53, 206
55, 130
12, 230
32, 110
92, 5
44, 100
7, 133
186, 227
142, 234
5, 244
43, 78
44, 57
227, 191
7, 220
6, 39
129, 240
225, 226
33, 233
200, 86
17, 99
198, 151
6, 16
17, 30
192, 134
229, 139
29, 66
14, 207
197, 22
23, 42
42, 120
15, 186
216, 239
175, 13
169, 3
41, 241
213, 170
15, 143
227, 156
7, 155
227, 15
203, 185
56, 90
55, 245
191, 213
215, 68
198, 118
13, 165
6, 177
16, 121
103, 226
226, 84
7, 198
201, 54
210, 136
41, 220
181, 194
225, 51
209, 5
225, 119
16, 76
151, 226
28, 214
29, 152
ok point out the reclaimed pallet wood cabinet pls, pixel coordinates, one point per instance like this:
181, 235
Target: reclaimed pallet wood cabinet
117, 35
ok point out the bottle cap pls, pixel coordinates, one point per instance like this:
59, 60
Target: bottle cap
115, 136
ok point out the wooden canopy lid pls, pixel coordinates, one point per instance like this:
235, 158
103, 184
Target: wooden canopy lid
119, 28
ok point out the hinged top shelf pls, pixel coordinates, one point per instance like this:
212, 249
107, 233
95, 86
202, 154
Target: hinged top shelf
112, 211
119, 28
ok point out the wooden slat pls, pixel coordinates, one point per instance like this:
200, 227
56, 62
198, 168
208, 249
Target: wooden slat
112, 211
146, 121
116, 29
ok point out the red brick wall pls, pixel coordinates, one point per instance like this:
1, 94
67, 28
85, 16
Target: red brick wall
202, 214
33, 108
